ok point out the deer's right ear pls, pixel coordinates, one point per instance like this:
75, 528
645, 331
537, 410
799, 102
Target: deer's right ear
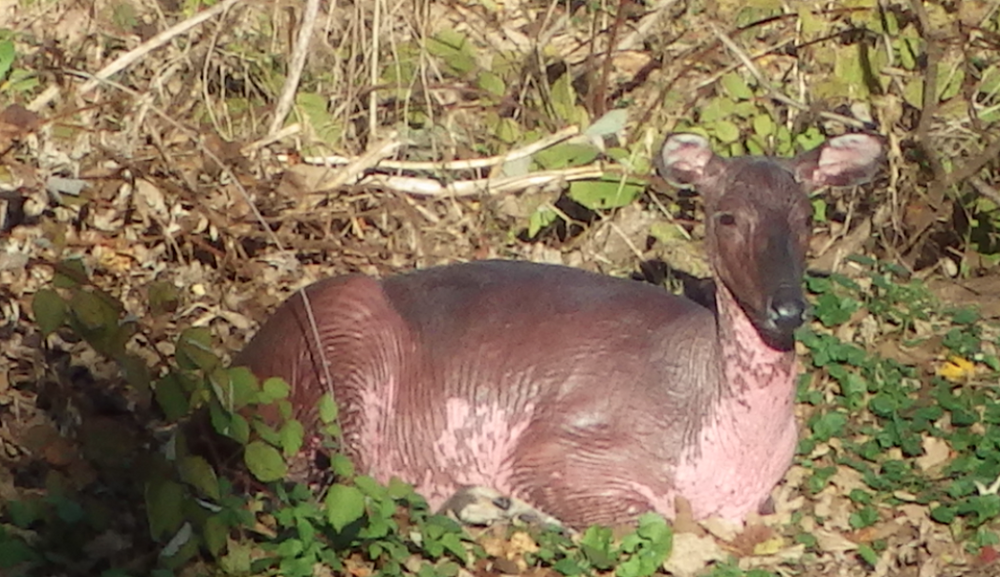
684, 159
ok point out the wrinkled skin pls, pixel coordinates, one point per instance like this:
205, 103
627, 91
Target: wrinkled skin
590, 398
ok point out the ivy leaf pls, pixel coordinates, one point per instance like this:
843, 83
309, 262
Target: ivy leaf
454, 49
344, 505
492, 83
275, 388
828, 426
603, 194
264, 462
736, 86
7, 54
453, 544
327, 409
726, 131
292, 434
612, 122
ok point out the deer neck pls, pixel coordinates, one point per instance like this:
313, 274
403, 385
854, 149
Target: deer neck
748, 364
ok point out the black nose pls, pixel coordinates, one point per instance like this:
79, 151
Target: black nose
787, 309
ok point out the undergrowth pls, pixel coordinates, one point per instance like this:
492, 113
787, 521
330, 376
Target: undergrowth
875, 415
914, 434
206, 514
924, 435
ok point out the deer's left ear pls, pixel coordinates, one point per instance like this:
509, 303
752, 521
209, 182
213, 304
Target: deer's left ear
841, 161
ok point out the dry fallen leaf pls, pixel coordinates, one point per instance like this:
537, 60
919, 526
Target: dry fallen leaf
720, 528
15, 122
770, 546
847, 479
750, 538
978, 293
936, 452
833, 542
520, 543
692, 553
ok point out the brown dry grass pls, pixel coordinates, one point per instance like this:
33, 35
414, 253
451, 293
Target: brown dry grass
191, 180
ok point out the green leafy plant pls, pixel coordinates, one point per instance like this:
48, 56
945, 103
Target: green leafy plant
13, 80
202, 508
906, 411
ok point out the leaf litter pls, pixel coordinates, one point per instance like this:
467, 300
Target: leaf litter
131, 184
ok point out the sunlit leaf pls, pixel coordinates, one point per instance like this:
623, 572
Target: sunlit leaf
292, 435
7, 54
275, 388
328, 409
491, 83
322, 123
564, 98
540, 219
454, 49
612, 122
238, 559
770, 546
763, 125
725, 131
344, 505
603, 194
736, 86
341, 465
566, 154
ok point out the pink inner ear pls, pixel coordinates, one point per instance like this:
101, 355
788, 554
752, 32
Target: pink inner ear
685, 158
848, 153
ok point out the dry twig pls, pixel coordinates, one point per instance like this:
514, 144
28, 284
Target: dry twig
469, 164
298, 62
139, 52
773, 92
431, 187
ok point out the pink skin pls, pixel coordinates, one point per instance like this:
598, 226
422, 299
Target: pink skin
591, 398
728, 476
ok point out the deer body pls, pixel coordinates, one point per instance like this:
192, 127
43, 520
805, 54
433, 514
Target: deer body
592, 398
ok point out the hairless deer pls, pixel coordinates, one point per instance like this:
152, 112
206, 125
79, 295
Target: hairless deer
592, 398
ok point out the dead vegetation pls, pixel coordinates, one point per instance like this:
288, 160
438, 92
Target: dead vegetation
148, 143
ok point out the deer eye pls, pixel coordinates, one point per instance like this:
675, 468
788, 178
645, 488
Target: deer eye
726, 218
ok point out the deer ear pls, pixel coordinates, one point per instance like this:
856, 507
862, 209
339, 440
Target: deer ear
841, 161
684, 159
